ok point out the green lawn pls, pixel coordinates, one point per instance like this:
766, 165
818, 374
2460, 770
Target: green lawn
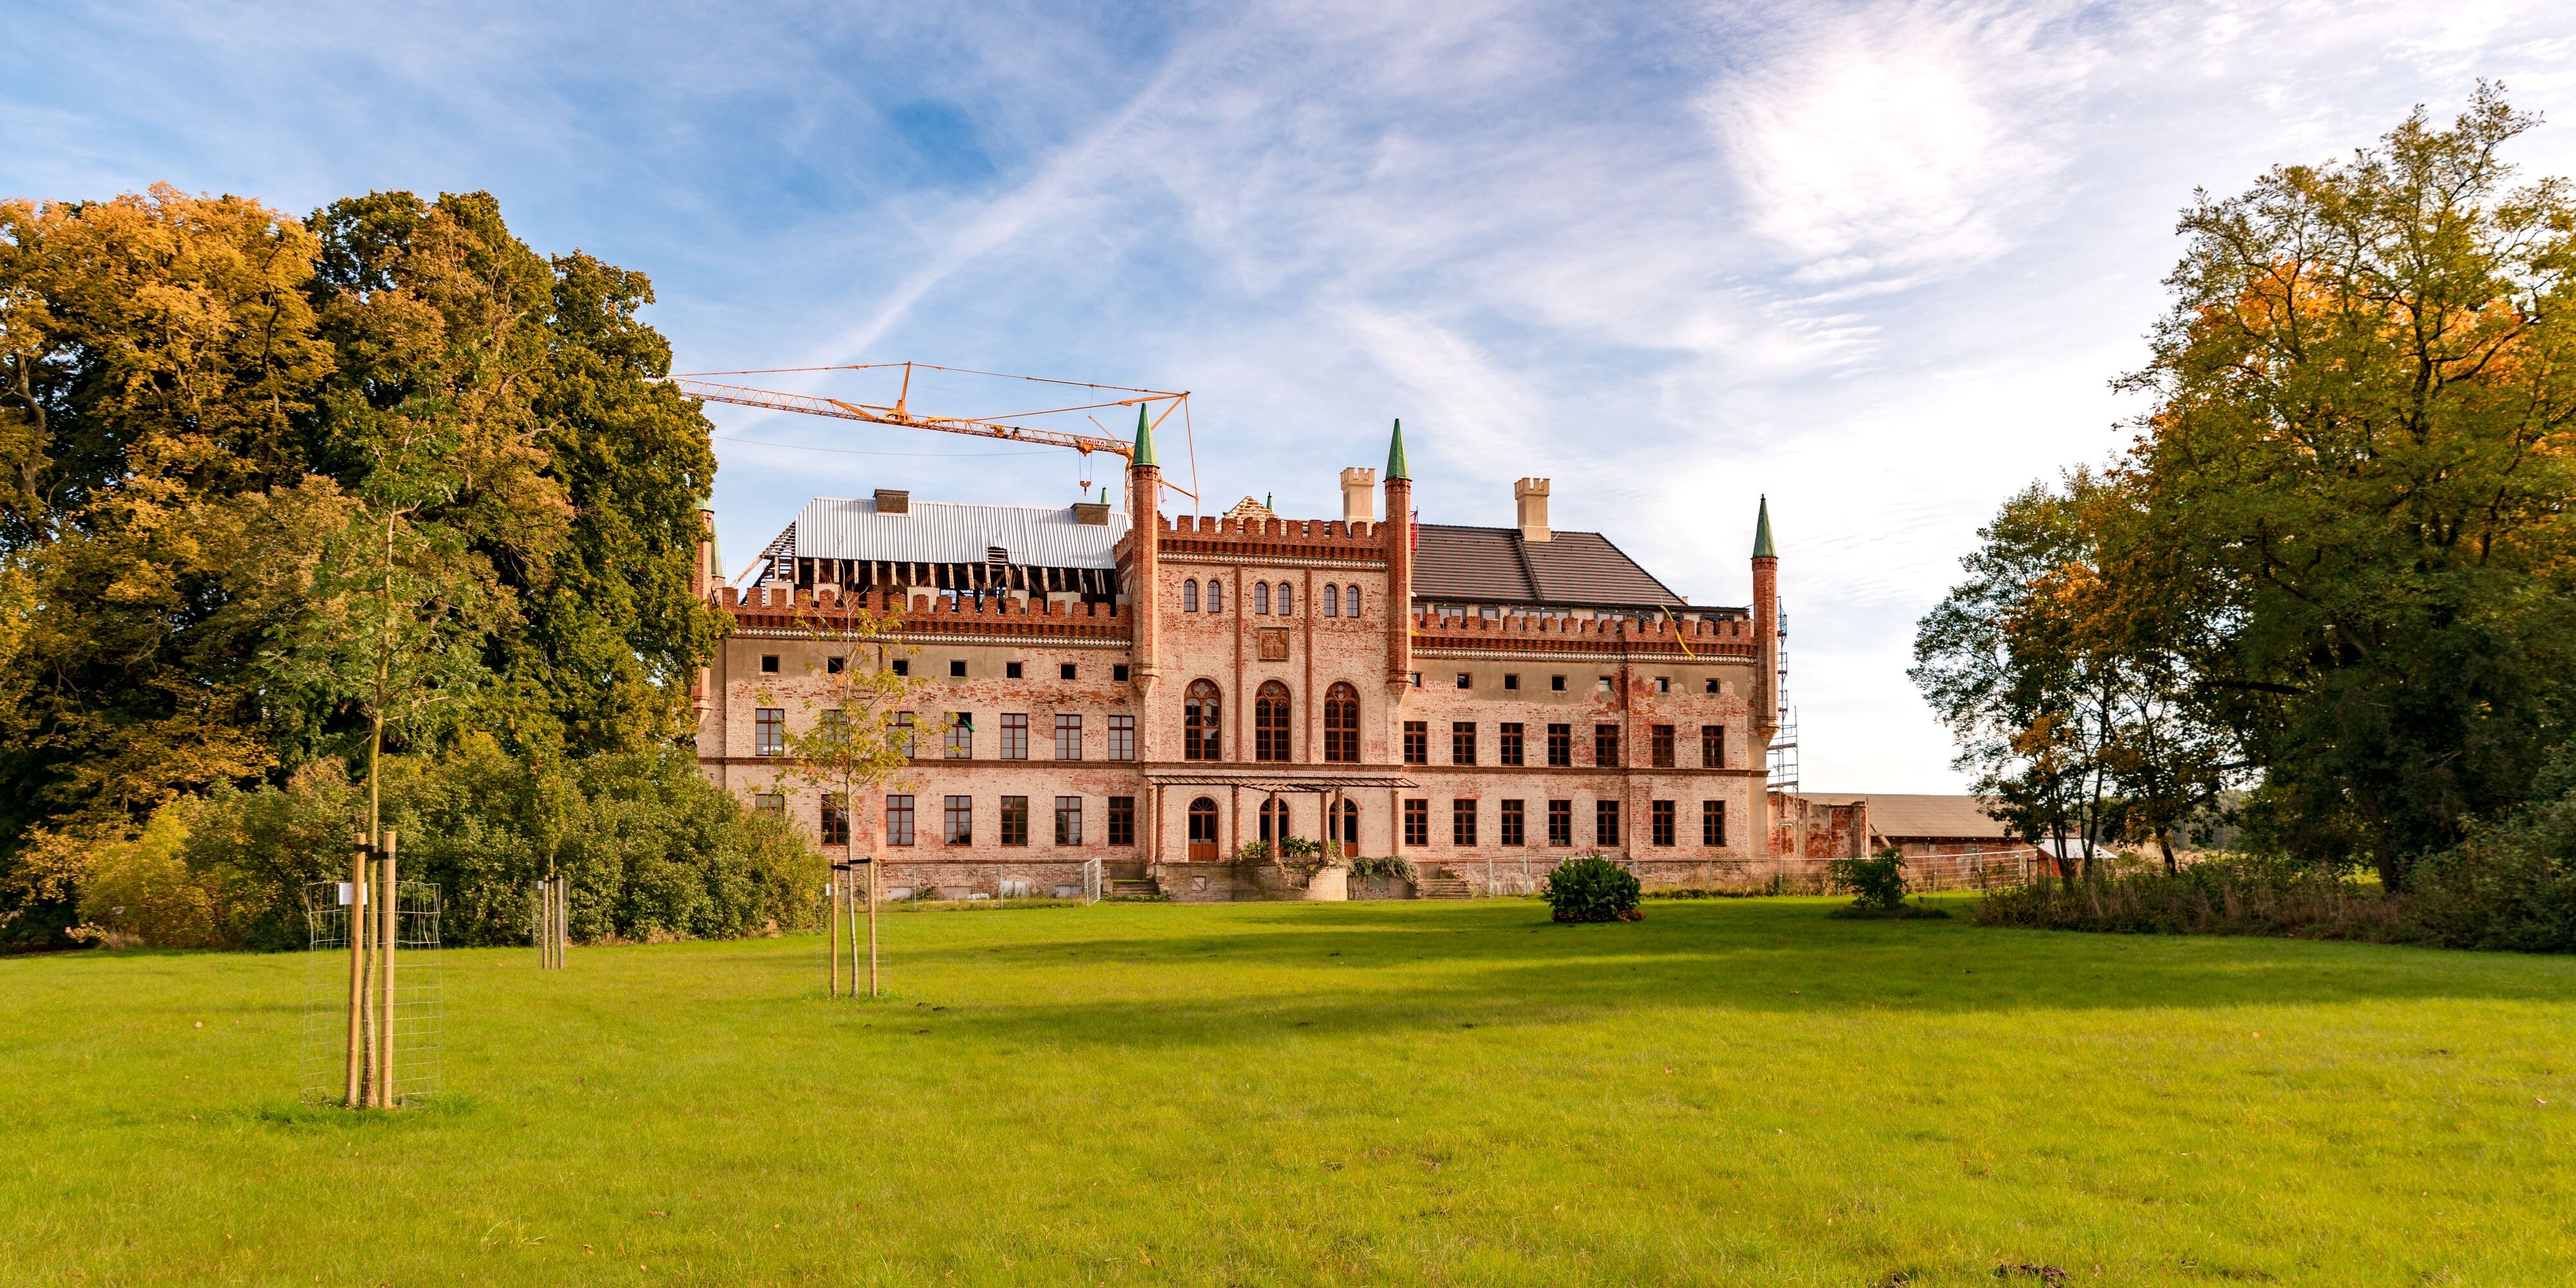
1729, 1092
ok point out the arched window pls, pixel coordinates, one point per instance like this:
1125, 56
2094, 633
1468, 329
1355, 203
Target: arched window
1274, 819
1350, 829
1261, 596
1203, 830
1270, 722
1332, 600
1201, 718
1342, 724
1216, 595
1287, 600
1190, 596
1351, 602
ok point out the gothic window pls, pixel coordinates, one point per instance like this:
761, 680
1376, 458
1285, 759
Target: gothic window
1351, 601
1202, 830
1270, 722
1332, 600
1216, 595
1342, 724
1287, 600
1201, 711
1261, 596
1274, 819
1190, 596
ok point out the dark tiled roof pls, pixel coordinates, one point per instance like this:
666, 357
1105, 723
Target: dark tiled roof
1494, 565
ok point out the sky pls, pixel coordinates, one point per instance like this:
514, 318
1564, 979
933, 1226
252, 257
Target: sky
1880, 262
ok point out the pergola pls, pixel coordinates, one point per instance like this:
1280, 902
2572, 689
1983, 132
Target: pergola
1332, 784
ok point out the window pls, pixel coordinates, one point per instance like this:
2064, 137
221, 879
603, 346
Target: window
902, 734
1605, 744
1605, 824
1659, 821
1350, 833
1011, 671
1351, 601
1712, 746
1202, 829
1216, 595
769, 664
1510, 752
1261, 597
1015, 820
957, 668
1417, 821
1274, 819
1712, 687
1466, 681
1190, 596
1515, 824
958, 828
1560, 744
1602, 685
1068, 737
1068, 820
1122, 820
1462, 823
1342, 724
836, 819
769, 731
1015, 735
1462, 742
1064, 671
1417, 742
835, 665
1413, 678
1511, 682
1560, 823
961, 735
1287, 600
1270, 721
1663, 684
833, 724
1122, 737
1556, 684
903, 666
1118, 672
898, 820
1332, 600
1712, 823
1659, 743
769, 802
1200, 714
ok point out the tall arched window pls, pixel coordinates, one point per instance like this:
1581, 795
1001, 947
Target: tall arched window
1350, 829
1274, 819
1287, 600
1190, 596
1342, 724
1351, 602
1201, 717
1216, 595
1261, 596
1203, 830
1270, 722
1332, 600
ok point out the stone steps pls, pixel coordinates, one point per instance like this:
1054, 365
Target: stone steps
1134, 888
1443, 888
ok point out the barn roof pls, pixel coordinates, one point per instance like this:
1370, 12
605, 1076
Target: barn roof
1496, 565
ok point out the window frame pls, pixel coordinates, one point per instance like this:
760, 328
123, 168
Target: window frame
1462, 737
1712, 824
1068, 735
769, 731
1015, 821
1512, 824
1122, 736
1342, 723
1560, 824
1417, 822
1014, 736
1463, 823
957, 820
1509, 740
1712, 746
1662, 823
899, 818
1560, 745
833, 819
1068, 820
1606, 739
1272, 714
1203, 721
1417, 742
1122, 821
1659, 746
960, 742
1606, 824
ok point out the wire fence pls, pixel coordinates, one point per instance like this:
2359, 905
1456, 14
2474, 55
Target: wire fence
419, 1002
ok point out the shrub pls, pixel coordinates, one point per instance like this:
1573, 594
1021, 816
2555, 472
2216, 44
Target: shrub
2232, 895
1591, 888
1877, 884
1394, 867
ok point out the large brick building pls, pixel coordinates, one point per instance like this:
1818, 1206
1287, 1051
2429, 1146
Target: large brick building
1155, 695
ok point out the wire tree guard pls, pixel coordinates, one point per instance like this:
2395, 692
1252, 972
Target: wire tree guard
365, 1045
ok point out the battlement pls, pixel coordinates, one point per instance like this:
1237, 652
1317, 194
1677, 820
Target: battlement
1268, 538
779, 608
1728, 639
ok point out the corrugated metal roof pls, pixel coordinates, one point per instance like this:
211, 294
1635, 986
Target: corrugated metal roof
1490, 564
955, 532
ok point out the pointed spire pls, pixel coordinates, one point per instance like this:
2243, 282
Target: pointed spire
1144, 457
1762, 532
1395, 466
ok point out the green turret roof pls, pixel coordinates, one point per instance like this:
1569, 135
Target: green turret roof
1144, 457
1762, 532
1395, 466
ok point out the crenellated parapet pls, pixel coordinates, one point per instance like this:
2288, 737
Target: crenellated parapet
1323, 541
826, 611
1731, 639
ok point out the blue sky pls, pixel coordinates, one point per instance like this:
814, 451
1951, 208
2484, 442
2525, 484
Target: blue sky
1877, 260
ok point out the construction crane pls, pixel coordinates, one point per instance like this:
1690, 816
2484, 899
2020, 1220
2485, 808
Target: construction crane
696, 385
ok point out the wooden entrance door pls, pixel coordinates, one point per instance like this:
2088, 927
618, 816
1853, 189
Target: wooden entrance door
1203, 830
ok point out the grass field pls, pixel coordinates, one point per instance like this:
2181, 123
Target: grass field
1729, 1092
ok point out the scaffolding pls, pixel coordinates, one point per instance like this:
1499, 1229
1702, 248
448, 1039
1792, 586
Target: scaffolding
1783, 757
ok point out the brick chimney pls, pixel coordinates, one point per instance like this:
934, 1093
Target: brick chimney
1532, 496
1359, 494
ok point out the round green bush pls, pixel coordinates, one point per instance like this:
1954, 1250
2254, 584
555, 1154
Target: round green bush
1591, 888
